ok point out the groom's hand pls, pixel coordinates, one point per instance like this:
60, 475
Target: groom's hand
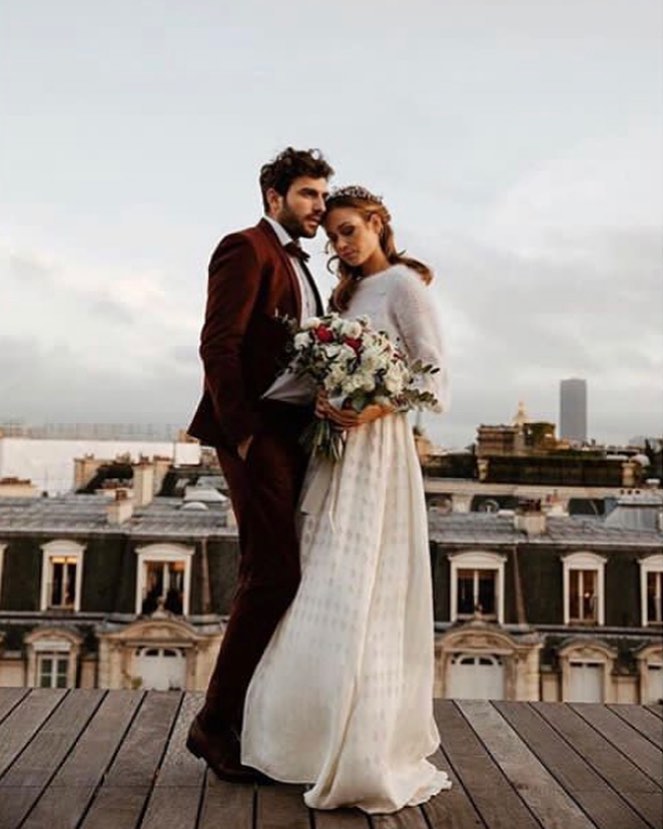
244, 446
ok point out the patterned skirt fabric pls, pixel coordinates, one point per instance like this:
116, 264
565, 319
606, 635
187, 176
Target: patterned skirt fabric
342, 698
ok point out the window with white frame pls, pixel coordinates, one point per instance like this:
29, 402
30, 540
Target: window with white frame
163, 579
52, 670
3, 547
654, 693
53, 655
586, 668
61, 575
651, 590
584, 589
477, 585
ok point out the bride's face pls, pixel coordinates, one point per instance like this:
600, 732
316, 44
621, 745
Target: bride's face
355, 240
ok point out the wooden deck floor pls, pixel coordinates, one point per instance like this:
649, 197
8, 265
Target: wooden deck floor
116, 760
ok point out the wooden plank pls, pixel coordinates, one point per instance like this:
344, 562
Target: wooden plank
15, 803
122, 799
174, 807
67, 797
407, 818
657, 709
591, 792
227, 805
451, 808
9, 698
642, 795
37, 764
549, 802
340, 819
281, 807
176, 796
643, 720
140, 754
180, 767
20, 726
118, 807
625, 739
491, 793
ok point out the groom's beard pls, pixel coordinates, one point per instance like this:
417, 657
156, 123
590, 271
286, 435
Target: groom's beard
295, 225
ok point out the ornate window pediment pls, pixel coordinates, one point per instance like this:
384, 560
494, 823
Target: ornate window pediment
53, 657
586, 668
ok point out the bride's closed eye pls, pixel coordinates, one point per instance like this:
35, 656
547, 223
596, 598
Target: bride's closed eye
346, 232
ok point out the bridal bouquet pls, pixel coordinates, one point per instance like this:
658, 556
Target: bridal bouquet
355, 366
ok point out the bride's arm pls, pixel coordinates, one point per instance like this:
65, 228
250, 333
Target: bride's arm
412, 308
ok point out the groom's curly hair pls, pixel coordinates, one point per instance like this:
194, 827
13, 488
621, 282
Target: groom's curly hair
288, 165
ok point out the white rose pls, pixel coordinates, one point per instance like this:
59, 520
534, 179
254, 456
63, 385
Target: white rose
332, 350
353, 329
310, 323
392, 384
334, 378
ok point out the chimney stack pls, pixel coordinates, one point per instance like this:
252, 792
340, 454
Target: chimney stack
530, 518
143, 482
85, 469
120, 508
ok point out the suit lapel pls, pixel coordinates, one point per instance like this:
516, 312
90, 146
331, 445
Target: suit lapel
283, 257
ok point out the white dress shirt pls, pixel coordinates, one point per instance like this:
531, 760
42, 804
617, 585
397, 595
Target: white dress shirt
309, 304
287, 387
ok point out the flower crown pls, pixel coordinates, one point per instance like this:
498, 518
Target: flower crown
354, 191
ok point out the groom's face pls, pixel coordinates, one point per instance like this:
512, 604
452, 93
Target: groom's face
301, 210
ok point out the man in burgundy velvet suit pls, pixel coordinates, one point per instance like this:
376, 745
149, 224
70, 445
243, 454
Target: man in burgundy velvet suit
254, 421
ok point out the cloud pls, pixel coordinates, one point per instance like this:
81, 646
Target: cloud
38, 385
561, 207
516, 325
25, 268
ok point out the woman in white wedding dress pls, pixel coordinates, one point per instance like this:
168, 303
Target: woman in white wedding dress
342, 698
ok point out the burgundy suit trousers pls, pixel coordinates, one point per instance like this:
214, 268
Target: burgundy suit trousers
264, 490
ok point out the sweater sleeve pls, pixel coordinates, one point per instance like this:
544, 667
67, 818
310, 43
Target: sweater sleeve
414, 313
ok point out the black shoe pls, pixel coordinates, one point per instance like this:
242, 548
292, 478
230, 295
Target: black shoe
221, 751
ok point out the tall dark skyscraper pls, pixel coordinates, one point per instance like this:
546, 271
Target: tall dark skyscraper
573, 409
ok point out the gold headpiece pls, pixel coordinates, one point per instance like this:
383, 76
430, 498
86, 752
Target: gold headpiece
354, 191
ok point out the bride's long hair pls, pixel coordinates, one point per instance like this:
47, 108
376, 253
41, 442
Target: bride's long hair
367, 205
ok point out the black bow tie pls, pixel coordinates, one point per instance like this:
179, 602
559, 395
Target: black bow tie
294, 250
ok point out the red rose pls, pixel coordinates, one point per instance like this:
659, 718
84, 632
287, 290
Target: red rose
323, 334
353, 342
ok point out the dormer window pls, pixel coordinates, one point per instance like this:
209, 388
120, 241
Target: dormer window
61, 576
651, 591
477, 586
583, 589
163, 579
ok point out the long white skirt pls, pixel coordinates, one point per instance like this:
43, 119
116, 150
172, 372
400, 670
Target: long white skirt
342, 697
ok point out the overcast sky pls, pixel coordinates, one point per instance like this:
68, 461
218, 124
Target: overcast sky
516, 142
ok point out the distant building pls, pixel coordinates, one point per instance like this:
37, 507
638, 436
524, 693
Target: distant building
46, 457
524, 459
573, 409
113, 591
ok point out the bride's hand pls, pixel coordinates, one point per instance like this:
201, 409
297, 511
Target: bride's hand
322, 405
348, 418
